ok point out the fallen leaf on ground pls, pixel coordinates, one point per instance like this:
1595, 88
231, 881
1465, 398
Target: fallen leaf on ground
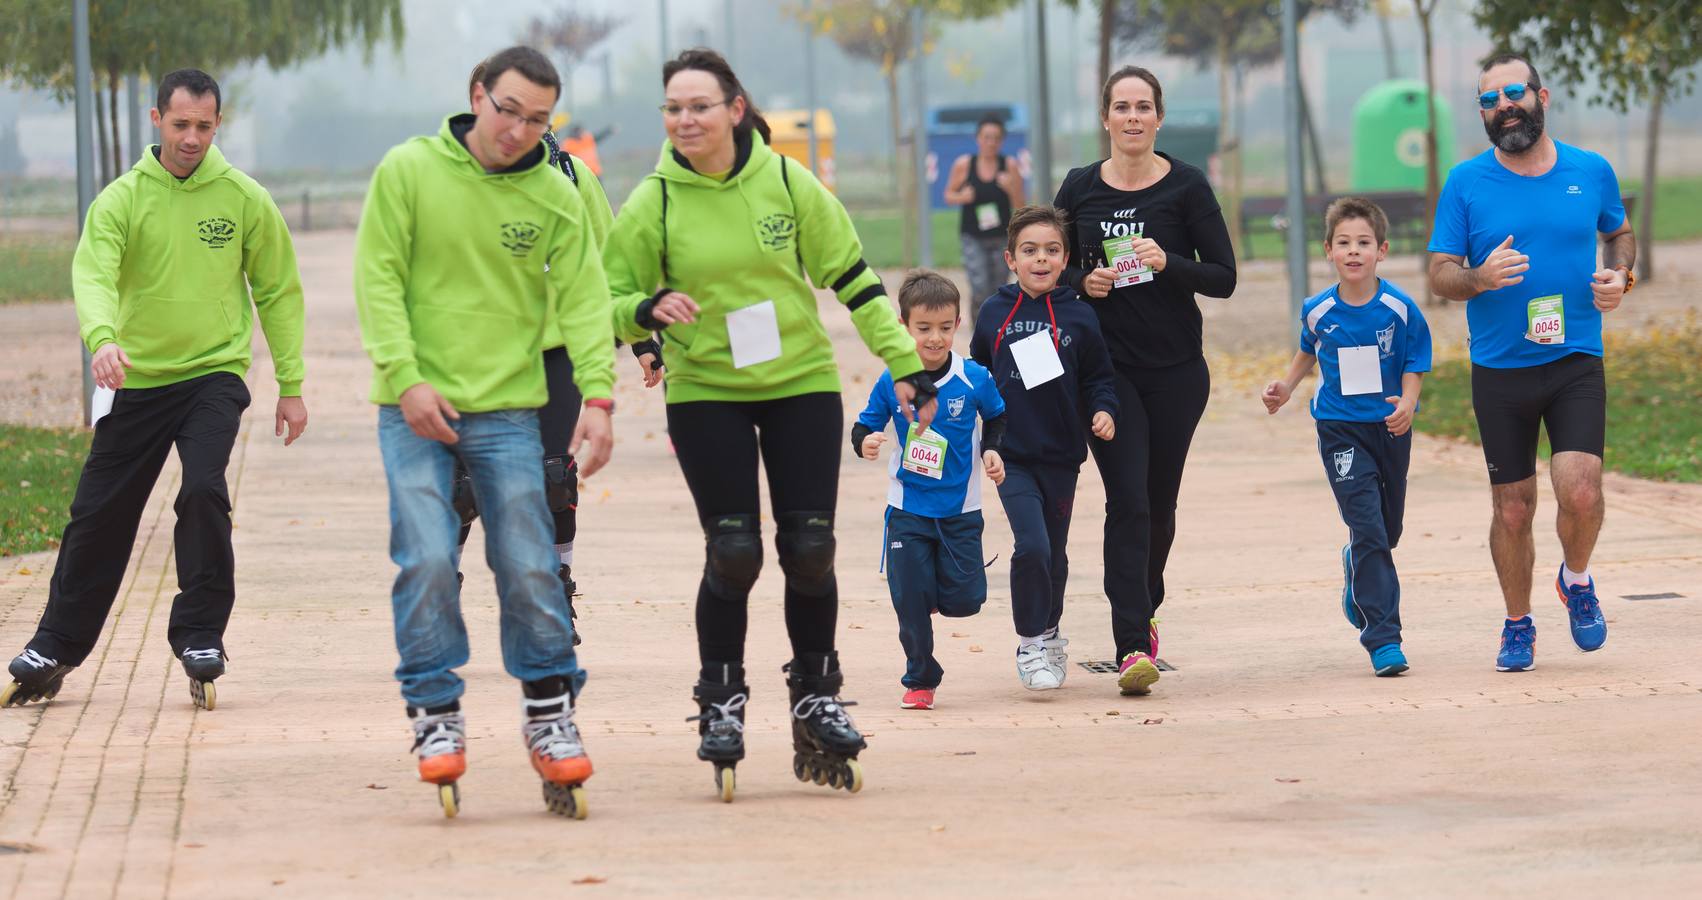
1112, 712
23, 571
959, 634
974, 648
936, 828
964, 753
590, 879
194, 846
1152, 721
1288, 780
377, 787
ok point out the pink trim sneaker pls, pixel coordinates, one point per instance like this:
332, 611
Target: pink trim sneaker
1136, 674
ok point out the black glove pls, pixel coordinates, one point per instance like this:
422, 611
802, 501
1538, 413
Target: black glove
925, 389
649, 346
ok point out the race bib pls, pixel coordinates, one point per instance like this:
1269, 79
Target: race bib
1361, 370
1037, 359
925, 453
754, 334
1545, 320
1120, 257
987, 216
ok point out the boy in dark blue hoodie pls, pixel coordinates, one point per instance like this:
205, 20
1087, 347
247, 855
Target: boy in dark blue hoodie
1043, 345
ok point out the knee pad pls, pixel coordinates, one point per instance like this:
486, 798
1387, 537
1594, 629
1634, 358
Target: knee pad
806, 547
734, 553
462, 498
561, 483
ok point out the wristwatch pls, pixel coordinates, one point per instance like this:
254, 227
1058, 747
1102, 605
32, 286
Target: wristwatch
1630, 277
602, 403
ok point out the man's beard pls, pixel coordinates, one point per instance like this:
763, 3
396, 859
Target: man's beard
1520, 137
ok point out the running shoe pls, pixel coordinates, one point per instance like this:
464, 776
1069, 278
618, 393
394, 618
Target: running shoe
1388, 660
1136, 674
1518, 646
918, 698
1584, 613
1031, 667
1056, 658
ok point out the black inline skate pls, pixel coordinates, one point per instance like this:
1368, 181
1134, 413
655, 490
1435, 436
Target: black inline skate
34, 677
203, 667
825, 743
721, 694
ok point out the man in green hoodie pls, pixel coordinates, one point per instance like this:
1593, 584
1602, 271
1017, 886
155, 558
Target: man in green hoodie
468, 246
169, 257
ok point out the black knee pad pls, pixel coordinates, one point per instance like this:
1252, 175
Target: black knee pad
561, 483
806, 546
735, 553
462, 498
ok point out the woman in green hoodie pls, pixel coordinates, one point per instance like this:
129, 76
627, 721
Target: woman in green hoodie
714, 250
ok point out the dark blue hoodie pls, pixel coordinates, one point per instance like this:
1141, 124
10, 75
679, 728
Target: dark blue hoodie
1048, 424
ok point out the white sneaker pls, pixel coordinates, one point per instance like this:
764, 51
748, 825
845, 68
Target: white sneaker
1056, 659
1036, 673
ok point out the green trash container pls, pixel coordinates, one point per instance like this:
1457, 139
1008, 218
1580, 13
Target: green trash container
1190, 135
1388, 137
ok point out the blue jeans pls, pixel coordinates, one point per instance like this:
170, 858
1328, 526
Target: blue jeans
501, 451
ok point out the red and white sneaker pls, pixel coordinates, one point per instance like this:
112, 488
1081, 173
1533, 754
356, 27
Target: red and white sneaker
918, 698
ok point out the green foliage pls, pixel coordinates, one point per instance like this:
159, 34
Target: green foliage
881, 31
153, 36
1653, 389
1631, 49
38, 475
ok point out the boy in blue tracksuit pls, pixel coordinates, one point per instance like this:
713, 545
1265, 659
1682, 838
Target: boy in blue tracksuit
1372, 346
933, 526
1048, 358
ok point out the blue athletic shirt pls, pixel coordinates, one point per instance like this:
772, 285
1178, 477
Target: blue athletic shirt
1554, 219
967, 395
1391, 322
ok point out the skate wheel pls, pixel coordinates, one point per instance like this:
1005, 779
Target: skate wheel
853, 776
819, 773
799, 769
450, 796
724, 783
9, 695
566, 800
205, 694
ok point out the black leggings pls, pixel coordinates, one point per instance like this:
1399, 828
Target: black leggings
556, 420
798, 438
1142, 471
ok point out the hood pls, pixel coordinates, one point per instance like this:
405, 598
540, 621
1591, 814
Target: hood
750, 154
449, 145
213, 167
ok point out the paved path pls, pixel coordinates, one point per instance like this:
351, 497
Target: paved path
1271, 762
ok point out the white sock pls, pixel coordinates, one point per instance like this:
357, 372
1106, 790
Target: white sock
565, 551
1573, 579
1050, 635
1023, 642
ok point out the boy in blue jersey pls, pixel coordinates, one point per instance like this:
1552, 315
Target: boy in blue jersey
1372, 346
933, 527
1048, 358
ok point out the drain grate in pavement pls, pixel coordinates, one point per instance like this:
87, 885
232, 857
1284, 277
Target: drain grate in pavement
1664, 595
1109, 667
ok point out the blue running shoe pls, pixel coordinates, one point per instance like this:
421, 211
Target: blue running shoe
1518, 646
1349, 608
1584, 611
1388, 660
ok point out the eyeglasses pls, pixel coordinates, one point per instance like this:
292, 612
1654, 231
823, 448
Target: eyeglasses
514, 117
1514, 92
674, 110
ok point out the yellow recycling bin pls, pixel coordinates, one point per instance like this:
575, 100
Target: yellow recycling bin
792, 137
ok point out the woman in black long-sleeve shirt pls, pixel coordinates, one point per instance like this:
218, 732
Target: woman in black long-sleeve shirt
1151, 323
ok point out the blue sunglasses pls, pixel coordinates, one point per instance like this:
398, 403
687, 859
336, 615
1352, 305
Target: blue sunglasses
1514, 92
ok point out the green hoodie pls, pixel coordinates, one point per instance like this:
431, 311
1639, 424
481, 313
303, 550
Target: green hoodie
457, 271
598, 216
160, 270
736, 243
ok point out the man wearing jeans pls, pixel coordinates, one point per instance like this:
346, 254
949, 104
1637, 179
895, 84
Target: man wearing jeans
468, 244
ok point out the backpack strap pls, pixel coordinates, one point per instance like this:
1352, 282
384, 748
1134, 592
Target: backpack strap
664, 183
797, 245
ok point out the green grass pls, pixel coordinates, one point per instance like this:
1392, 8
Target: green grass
882, 233
1654, 389
38, 475
35, 268
1678, 209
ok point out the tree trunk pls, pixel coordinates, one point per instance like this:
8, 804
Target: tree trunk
1237, 161
1432, 171
112, 117
1320, 186
900, 165
1233, 150
1107, 22
103, 160
1381, 8
1646, 203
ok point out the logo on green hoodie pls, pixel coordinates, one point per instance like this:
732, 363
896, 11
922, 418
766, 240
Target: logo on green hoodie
519, 237
777, 231
215, 232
